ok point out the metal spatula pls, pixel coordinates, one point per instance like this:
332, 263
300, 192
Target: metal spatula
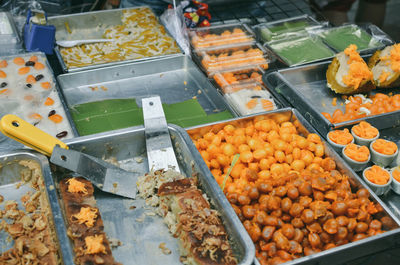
105, 176
160, 152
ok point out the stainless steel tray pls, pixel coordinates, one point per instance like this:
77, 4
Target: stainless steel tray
7, 143
174, 79
95, 22
139, 231
10, 176
305, 88
347, 252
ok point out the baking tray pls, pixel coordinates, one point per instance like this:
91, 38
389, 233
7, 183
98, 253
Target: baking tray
304, 87
7, 143
95, 22
347, 252
174, 79
10, 176
139, 231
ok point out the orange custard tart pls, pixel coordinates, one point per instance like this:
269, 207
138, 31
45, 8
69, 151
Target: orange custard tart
377, 175
384, 147
357, 153
341, 137
365, 130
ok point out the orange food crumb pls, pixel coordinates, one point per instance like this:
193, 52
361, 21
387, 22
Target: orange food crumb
45, 85
35, 116
334, 101
19, 61
3, 63
33, 58
342, 137
267, 104
377, 175
2, 74
56, 118
49, 101
365, 130
384, 147
359, 154
39, 66
251, 104
358, 71
30, 79
75, 186
94, 244
87, 216
23, 70
4, 91
396, 174
28, 97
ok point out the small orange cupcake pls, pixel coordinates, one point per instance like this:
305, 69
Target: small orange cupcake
341, 137
384, 147
377, 175
357, 153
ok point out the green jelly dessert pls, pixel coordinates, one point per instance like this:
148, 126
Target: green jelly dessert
269, 33
112, 114
341, 37
301, 50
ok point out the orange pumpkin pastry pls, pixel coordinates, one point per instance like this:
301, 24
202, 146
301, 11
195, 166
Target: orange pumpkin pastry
341, 137
385, 66
377, 175
349, 74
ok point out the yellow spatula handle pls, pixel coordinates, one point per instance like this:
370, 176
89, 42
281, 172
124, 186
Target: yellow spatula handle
24, 132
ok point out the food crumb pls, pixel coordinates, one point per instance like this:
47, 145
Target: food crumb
150, 213
199, 91
323, 104
194, 97
104, 88
51, 187
94, 88
115, 185
334, 101
341, 104
133, 207
18, 185
139, 159
164, 249
1, 198
114, 242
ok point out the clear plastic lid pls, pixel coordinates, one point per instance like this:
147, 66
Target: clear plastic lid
221, 35
285, 28
339, 38
301, 50
8, 32
250, 101
237, 79
235, 57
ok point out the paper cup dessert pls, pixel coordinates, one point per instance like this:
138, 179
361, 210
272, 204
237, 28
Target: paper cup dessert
378, 179
383, 152
356, 156
364, 133
396, 179
339, 139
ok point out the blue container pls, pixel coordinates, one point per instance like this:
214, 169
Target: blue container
39, 37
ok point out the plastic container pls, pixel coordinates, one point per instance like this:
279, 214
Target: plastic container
234, 80
248, 100
250, 56
395, 183
382, 159
339, 38
221, 35
285, 28
378, 189
300, 50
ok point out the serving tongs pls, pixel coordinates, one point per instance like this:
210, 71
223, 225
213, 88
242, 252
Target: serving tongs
103, 175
